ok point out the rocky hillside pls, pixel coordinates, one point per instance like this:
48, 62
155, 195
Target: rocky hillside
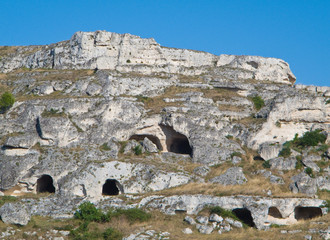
204, 144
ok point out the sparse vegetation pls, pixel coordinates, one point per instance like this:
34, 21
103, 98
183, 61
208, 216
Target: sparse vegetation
285, 152
309, 171
299, 163
5, 199
105, 147
266, 164
112, 234
52, 113
258, 102
137, 150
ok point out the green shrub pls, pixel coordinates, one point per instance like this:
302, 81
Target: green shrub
137, 150
237, 154
105, 147
258, 102
285, 152
223, 213
7, 100
311, 138
309, 171
299, 163
278, 124
133, 214
88, 212
112, 234
229, 137
266, 164
128, 61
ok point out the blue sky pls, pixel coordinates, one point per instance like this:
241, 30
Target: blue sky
297, 31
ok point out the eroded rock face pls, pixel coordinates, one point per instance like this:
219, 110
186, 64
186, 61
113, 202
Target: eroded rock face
126, 52
232, 176
118, 114
14, 214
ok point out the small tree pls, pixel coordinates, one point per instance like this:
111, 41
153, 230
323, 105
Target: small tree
6, 101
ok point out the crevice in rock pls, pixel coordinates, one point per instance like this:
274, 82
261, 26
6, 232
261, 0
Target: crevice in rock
303, 213
244, 215
152, 138
274, 212
45, 184
112, 187
176, 142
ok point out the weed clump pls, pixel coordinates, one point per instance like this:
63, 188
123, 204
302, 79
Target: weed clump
133, 214
112, 234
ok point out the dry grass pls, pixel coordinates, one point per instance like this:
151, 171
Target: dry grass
6, 50
173, 224
232, 108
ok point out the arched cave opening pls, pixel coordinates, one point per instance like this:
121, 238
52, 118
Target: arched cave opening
45, 184
303, 213
152, 138
274, 212
112, 187
245, 215
176, 142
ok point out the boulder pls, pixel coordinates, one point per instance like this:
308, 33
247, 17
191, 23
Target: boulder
149, 146
281, 163
189, 220
202, 219
187, 231
269, 150
303, 183
14, 213
233, 176
205, 229
215, 218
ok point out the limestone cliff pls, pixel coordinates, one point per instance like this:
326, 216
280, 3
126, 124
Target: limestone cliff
107, 114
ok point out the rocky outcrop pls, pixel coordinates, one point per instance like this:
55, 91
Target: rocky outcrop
11, 213
108, 114
125, 53
258, 208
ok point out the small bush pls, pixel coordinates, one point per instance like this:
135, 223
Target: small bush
229, 137
128, 61
88, 212
137, 150
105, 147
285, 152
278, 124
266, 164
258, 102
223, 213
133, 214
112, 234
311, 138
299, 163
237, 154
309, 171
7, 100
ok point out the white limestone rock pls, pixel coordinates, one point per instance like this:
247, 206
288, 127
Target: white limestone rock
232, 176
12, 213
